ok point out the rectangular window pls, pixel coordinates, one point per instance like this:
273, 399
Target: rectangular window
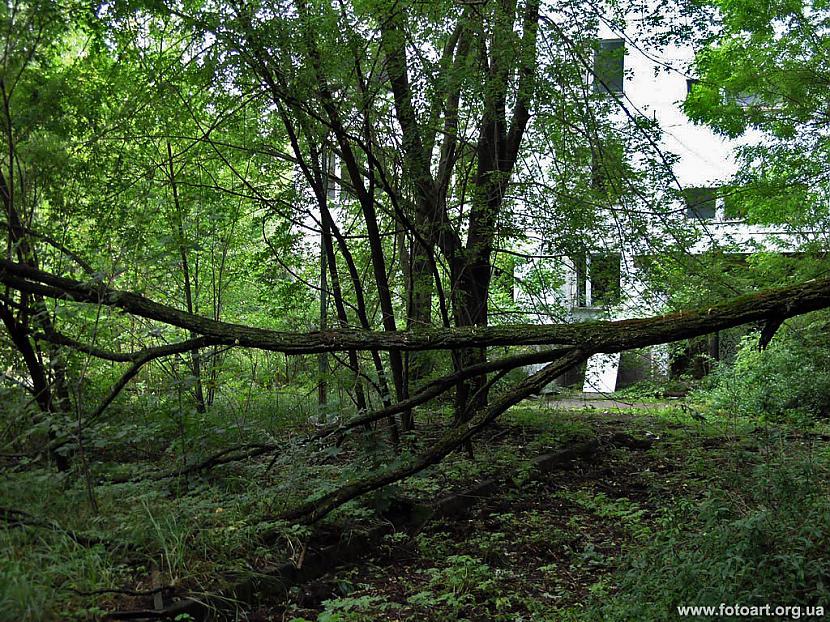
690, 84
609, 66
749, 100
700, 203
605, 279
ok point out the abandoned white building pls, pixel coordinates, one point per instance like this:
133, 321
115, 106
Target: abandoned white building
608, 284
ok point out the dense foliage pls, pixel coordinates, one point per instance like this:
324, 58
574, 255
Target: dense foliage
203, 201
789, 380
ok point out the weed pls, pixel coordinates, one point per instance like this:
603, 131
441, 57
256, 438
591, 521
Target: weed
765, 542
628, 513
354, 608
462, 583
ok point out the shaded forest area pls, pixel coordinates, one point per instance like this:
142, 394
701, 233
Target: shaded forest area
281, 332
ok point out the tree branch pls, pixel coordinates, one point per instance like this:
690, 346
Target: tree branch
445, 383
316, 509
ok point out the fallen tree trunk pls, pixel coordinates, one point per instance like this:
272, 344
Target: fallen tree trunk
601, 336
643, 332
580, 341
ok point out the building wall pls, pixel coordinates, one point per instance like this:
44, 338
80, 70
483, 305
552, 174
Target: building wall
656, 86
705, 158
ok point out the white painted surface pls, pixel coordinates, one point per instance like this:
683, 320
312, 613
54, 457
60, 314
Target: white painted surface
655, 86
601, 373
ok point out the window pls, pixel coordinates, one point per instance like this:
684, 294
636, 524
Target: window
700, 203
609, 66
734, 207
748, 100
690, 84
597, 279
604, 271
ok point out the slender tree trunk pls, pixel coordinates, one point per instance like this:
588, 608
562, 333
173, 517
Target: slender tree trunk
328, 258
195, 361
52, 394
419, 285
315, 182
323, 357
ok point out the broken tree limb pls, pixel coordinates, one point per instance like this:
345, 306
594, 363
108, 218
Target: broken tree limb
60, 339
599, 336
768, 331
435, 388
237, 453
634, 333
18, 518
144, 357
226, 456
442, 385
584, 339
139, 359
316, 509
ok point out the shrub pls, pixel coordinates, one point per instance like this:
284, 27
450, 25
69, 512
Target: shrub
767, 544
788, 380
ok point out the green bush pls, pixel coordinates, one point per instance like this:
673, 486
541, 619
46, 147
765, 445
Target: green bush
789, 380
766, 544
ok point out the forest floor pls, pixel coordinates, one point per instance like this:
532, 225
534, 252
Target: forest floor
605, 402
534, 552
554, 547
563, 545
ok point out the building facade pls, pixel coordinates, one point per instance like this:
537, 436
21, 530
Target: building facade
609, 283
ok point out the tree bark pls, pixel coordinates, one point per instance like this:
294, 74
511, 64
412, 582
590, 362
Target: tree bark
598, 336
580, 341
496, 153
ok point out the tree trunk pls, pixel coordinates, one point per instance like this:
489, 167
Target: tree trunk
601, 336
419, 281
195, 361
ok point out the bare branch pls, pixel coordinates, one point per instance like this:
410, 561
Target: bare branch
316, 509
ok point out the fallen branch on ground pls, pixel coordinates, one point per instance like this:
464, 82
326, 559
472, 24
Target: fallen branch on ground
637, 333
579, 341
442, 385
316, 509
226, 456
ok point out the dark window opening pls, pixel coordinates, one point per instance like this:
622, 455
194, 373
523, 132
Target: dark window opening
748, 100
690, 84
700, 203
605, 279
609, 66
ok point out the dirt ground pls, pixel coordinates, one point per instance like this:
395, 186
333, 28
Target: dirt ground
537, 550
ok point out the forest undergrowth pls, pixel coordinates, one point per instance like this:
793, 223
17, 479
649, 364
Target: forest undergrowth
676, 505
